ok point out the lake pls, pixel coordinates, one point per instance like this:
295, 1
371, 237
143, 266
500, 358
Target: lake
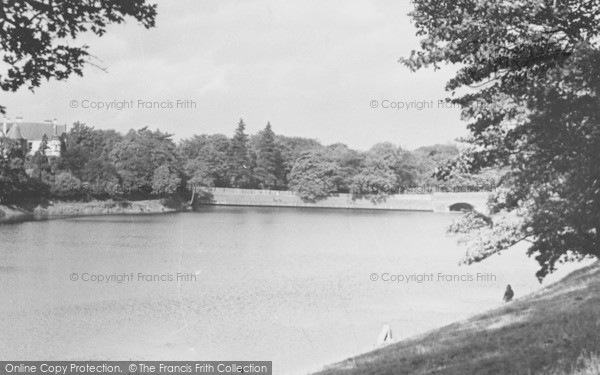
233, 283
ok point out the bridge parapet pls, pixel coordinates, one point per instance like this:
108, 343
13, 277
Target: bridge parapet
437, 202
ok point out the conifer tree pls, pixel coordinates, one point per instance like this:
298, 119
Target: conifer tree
239, 168
269, 166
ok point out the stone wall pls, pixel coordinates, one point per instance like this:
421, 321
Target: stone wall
438, 202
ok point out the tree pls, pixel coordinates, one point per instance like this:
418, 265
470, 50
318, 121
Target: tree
387, 169
239, 165
15, 184
314, 176
36, 36
350, 163
101, 177
292, 148
428, 158
199, 176
378, 178
43, 145
269, 163
39, 161
140, 156
165, 180
87, 157
536, 70
375, 182
79, 148
12, 173
406, 169
206, 155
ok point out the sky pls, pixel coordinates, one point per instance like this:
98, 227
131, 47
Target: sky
325, 70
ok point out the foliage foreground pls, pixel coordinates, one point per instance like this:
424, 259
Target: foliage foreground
528, 83
551, 332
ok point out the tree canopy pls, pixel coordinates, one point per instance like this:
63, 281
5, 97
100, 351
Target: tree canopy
528, 81
36, 36
142, 164
146, 161
315, 176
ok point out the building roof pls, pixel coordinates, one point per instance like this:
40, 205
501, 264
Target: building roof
14, 133
34, 131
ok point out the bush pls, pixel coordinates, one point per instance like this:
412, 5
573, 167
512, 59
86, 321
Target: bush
66, 185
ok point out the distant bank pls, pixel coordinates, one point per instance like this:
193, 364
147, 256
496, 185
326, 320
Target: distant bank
435, 202
60, 209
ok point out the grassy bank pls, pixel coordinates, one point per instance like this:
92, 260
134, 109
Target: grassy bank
553, 332
57, 209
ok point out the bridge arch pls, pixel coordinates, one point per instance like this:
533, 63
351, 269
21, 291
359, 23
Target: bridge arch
461, 206
446, 202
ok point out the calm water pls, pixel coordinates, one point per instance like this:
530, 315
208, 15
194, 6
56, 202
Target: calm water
288, 285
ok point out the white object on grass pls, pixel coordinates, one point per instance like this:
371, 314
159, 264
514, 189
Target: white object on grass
385, 336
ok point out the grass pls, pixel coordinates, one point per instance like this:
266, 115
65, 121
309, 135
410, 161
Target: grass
553, 332
586, 365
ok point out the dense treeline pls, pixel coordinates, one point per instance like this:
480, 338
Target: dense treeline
97, 163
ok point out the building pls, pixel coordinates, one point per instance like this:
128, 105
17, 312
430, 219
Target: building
32, 134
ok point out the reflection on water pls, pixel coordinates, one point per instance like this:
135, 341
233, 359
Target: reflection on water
288, 285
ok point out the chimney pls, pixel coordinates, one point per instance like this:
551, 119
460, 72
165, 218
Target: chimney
55, 128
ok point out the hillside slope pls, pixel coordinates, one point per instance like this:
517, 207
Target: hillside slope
556, 330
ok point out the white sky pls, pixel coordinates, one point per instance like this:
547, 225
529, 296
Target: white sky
310, 67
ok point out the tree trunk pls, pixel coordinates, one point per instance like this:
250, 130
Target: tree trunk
193, 195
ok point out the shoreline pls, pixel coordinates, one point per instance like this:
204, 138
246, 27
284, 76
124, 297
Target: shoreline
56, 209
438, 202
12, 214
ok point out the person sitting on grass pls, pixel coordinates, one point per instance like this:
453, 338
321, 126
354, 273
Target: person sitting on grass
509, 294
